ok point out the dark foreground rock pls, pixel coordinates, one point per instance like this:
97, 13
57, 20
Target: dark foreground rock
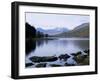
82, 59
86, 51
79, 53
43, 59
64, 57
41, 65
55, 65
28, 64
76, 54
73, 54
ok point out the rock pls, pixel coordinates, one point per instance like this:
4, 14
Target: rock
84, 56
81, 59
43, 59
28, 64
78, 58
64, 57
86, 61
78, 53
86, 51
55, 65
41, 65
73, 54
66, 64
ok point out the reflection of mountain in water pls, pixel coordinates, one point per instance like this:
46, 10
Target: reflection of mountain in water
30, 34
32, 44
38, 37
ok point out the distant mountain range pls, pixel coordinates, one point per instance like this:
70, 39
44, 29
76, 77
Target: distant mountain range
54, 31
79, 31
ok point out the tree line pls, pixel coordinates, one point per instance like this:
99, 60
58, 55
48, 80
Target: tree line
31, 32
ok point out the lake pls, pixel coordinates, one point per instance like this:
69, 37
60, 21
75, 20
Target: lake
58, 46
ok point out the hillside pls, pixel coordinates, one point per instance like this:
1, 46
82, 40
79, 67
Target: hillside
79, 31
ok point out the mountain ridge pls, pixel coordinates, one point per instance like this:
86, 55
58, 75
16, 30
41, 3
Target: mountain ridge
52, 31
79, 31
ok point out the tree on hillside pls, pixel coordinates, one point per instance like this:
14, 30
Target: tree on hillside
30, 31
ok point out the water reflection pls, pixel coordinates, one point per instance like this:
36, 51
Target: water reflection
32, 44
56, 46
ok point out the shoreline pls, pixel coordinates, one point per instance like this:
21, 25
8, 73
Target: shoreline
50, 61
56, 38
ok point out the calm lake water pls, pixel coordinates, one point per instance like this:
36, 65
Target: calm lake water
58, 46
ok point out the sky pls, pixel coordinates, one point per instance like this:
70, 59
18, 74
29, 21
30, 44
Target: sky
51, 21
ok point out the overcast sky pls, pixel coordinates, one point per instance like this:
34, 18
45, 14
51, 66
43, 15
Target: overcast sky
50, 21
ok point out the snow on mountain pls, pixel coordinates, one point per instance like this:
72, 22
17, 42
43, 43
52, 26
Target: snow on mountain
53, 31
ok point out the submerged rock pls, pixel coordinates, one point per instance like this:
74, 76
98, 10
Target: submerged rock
43, 59
41, 65
64, 57
66, 64
55, 65
73, 54
28, 64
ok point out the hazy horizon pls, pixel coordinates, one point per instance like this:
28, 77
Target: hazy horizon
52, 21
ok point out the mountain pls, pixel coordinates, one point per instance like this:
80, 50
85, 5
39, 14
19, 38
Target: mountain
52, 31
79, 31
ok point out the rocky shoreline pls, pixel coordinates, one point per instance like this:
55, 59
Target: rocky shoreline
81, 58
